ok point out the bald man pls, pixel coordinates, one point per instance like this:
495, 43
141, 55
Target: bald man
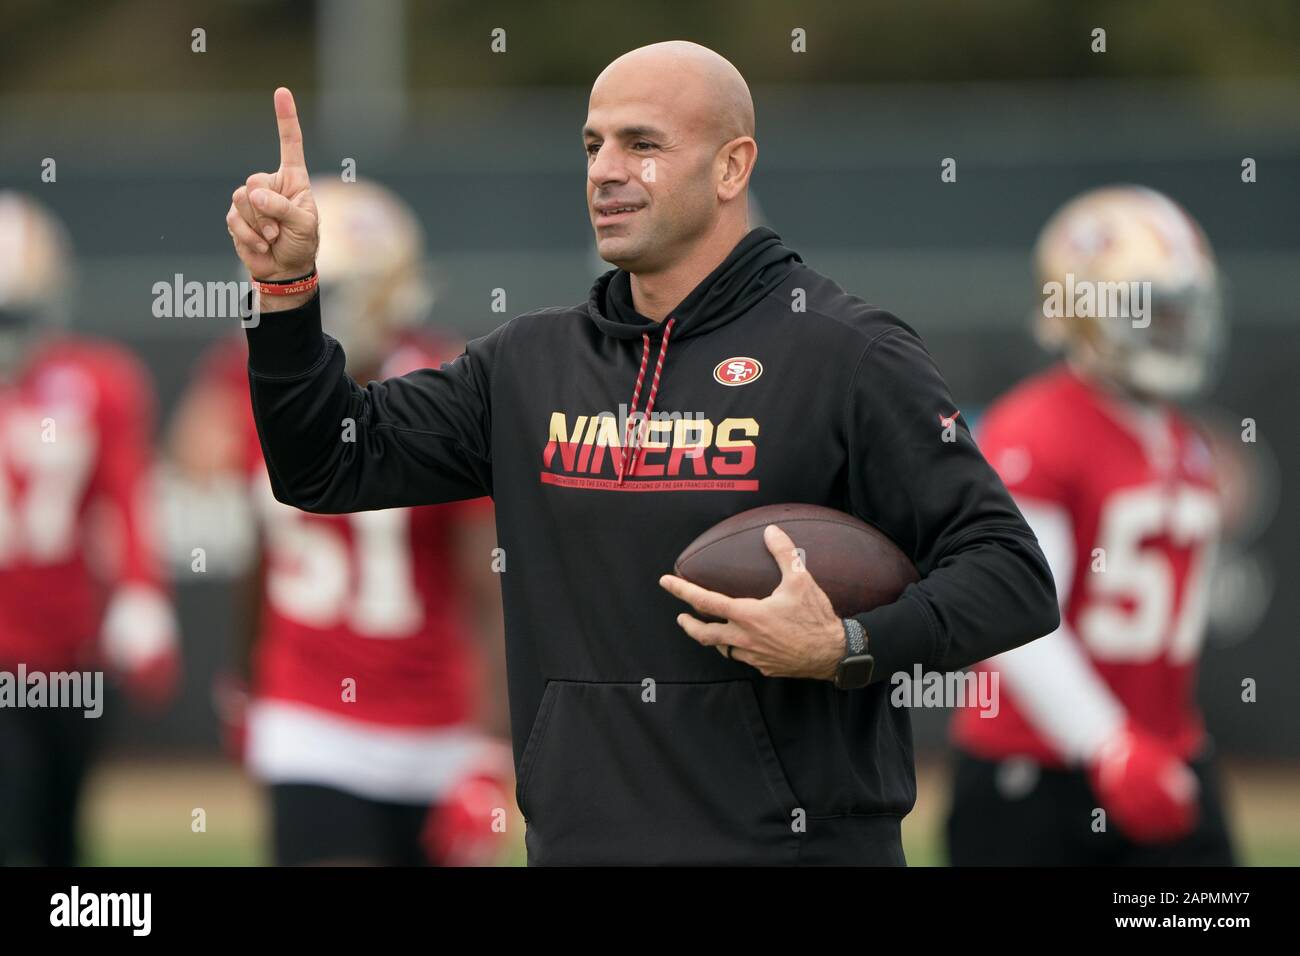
709, 373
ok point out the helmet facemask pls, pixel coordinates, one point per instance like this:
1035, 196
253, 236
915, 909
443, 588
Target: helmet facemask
1169, 352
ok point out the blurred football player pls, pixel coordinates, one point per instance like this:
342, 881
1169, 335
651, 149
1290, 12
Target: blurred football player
81, 586
1097, 754
376, 723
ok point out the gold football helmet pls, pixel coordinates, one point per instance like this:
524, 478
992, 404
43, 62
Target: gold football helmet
371, 263
36, 274
1139, 246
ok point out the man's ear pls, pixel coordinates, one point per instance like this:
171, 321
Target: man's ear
736, 159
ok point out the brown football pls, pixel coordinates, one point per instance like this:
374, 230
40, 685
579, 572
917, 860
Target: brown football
857, 565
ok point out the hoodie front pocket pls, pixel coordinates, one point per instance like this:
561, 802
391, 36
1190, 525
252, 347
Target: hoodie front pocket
674, 773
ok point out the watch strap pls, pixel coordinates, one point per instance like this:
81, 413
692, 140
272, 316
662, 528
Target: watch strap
855, 638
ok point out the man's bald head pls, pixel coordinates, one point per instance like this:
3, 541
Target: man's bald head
670, 136
702, 80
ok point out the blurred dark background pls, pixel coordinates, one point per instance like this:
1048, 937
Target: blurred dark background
150, 138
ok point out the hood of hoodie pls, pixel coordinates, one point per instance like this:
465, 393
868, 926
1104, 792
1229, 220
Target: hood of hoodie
758, 264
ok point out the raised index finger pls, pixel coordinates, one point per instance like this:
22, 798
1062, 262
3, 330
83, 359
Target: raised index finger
286, 117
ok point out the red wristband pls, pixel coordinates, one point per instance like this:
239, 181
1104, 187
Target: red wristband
287, 286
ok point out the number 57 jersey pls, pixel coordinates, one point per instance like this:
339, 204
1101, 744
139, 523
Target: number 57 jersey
1124, 501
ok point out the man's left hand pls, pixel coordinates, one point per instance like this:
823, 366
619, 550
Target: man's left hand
794, 632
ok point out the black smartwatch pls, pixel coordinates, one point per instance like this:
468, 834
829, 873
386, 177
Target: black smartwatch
856, 666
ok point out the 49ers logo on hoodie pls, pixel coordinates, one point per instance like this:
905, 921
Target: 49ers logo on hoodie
677, 453
738, 371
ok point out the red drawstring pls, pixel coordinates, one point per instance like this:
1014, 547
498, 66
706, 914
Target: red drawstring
636, 397
632, 441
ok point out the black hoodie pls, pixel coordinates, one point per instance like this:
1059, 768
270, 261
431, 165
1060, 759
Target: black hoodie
768, 384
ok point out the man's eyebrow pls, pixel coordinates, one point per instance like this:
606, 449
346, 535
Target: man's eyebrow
627, 132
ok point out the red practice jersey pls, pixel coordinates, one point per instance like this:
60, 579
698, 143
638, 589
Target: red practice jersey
76, 426
1143, 510
361, 614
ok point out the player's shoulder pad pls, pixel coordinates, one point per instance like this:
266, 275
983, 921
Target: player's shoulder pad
1042, 395
105, 360
1033, 417
76, 364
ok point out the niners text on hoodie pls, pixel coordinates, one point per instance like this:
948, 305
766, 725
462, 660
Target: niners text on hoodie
768, 384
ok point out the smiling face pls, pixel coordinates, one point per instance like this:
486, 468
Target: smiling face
660, 137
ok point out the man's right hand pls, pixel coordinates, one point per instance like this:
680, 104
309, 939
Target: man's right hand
272, 218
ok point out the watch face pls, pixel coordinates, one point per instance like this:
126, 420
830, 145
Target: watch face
855, 672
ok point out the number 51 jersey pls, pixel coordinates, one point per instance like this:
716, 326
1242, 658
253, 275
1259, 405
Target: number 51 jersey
363, 616
1135, 488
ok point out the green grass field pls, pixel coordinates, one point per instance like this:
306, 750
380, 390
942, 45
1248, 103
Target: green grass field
142, 814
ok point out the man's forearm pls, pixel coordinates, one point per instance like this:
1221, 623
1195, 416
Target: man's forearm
301, 407
334, 447
987, 598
